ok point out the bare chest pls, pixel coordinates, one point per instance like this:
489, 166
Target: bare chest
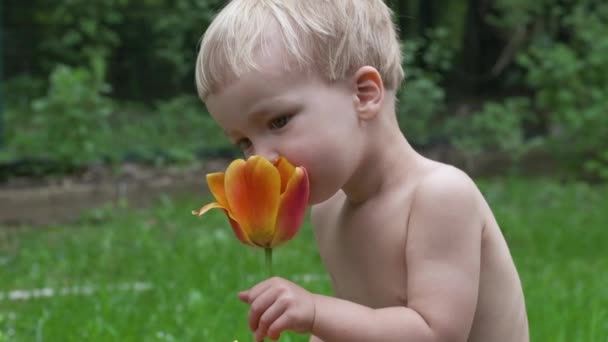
364, 253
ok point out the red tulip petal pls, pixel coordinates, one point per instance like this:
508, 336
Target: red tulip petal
286, 169
253, 190
292, 207
215, 182
238, 231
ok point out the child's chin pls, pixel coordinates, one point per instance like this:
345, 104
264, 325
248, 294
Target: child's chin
317, 197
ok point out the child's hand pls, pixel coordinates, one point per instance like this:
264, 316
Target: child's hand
278, 305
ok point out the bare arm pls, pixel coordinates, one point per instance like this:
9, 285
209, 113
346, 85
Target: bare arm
443, 261
340, 320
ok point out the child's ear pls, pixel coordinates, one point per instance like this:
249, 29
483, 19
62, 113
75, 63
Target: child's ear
368, 91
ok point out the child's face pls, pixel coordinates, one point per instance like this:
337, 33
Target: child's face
300, 117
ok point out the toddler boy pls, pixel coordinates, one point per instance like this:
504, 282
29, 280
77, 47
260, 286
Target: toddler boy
412, 248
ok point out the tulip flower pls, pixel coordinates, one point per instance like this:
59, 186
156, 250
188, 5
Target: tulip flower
265, 202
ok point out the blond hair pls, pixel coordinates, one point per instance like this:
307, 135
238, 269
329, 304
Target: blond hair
332, 38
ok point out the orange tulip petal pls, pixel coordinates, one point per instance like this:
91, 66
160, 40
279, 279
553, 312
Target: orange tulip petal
236, 228
215, 181
239, 232
252, 191
286, 169
292, 207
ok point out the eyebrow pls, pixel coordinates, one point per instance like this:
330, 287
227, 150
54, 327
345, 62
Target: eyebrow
260, 109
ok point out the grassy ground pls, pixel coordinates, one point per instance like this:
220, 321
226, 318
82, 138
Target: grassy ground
190, 270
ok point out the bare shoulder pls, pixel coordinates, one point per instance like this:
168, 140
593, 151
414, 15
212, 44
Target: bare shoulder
446, 185
445, 179
446, 196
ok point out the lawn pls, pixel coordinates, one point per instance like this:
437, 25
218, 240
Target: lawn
160, 274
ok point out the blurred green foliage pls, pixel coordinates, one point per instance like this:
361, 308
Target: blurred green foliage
71, 119
76, 124
570, 79
496, 127
422, 99
104, 81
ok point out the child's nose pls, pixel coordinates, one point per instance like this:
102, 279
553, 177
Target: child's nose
267, 153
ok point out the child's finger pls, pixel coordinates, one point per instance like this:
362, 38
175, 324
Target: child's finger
268, 318
278, 326
249, 295
259, 305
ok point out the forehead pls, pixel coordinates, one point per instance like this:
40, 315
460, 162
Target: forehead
268, 70
267, 83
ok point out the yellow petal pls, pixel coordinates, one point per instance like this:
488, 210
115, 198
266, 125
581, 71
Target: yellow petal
206, 208
292, 207
252, 191
286, 169
236, 228
239, 232
215, 181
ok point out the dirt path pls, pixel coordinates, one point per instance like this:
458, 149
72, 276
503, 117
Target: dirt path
53, 201
63, 200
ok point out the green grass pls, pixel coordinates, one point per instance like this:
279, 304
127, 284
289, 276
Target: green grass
557, 234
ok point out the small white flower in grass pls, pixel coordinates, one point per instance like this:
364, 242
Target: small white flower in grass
221, 235
19, 295
86, 290
194, 297
163, 336
142, 286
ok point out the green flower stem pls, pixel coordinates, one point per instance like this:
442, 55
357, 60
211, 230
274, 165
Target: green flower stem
268, 252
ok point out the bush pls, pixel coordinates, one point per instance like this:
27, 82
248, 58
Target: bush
570, 83
421, 98
177, 130
497, 127
69, 124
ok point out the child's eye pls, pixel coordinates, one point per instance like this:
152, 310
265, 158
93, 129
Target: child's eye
243, 144
279, 122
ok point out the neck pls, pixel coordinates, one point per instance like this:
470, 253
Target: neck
387, 159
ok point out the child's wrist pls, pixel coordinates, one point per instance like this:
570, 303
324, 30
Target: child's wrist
315, 305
